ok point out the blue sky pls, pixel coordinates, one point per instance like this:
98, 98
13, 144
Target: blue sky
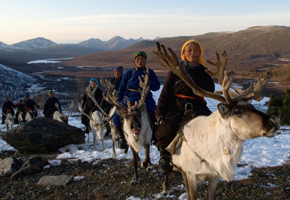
72, 21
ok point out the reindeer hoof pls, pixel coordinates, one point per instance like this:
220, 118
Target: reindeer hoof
134, 182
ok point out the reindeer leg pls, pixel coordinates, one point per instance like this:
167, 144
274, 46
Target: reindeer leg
135, 179
212, 186
190, 185
113, 148
165, 185
113, 132
88, 138
147, 163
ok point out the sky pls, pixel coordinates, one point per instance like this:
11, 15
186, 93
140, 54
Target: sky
73, 21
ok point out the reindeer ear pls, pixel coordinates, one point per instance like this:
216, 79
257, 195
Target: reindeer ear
120, 113
224, 110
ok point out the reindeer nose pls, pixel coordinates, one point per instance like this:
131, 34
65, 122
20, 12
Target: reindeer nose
274, 122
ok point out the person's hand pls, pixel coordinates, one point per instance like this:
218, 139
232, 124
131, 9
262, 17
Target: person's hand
159, 120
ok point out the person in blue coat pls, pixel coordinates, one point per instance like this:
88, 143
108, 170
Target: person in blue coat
129, 88
49, 106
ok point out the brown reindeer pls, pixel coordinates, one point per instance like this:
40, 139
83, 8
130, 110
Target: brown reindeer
211, 146
136, 125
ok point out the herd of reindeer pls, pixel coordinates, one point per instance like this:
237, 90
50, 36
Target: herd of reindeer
210, 146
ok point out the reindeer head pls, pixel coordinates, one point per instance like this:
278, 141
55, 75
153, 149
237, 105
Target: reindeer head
235, 108
132, 112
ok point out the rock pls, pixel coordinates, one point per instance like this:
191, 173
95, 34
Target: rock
43, 135
30, 166
9, 165
55, 180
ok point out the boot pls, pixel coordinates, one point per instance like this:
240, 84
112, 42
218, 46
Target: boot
165, 166
122, 144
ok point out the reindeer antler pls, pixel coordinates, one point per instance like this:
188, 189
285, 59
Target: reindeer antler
220, 65
170, 62
70, 107
111, 95
92, 96
82, 111
144, 84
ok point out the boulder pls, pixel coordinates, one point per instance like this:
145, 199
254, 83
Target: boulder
60, 180
9, 165
43, 135
32, 165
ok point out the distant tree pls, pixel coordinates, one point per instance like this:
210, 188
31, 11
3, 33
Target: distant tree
280, 107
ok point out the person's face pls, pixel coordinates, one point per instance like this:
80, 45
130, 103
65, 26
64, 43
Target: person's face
118, 74
140, 61
51, 95
93, 84
192, 53
20, 102
6, 99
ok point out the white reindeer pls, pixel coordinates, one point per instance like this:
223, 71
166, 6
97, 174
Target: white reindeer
136, 125
30, 114
9, 120
211, 146
97, 124
59, 116
20, 118
114, 131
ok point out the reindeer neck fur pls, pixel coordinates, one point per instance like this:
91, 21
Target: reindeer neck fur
215, 143
9, 120
145, 135
97, 119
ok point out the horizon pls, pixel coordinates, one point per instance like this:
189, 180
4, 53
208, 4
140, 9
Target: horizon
66, 22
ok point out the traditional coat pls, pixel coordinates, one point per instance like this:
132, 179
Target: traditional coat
174, 95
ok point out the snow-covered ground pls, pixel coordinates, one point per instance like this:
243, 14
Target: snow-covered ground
259, 152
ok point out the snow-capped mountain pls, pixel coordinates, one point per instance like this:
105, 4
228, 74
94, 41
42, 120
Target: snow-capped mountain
35, 43
115, 43
13, 83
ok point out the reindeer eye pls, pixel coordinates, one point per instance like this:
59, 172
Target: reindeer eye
238, 112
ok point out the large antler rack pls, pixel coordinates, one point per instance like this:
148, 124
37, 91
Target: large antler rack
111, 94
91, 94
112, 98
170, 62
144, 84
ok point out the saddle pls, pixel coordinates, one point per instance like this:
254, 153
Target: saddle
177, 141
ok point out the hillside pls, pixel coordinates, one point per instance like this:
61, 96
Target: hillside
252, 48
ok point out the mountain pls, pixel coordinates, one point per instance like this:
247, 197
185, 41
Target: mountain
92, 43
252, 48
115, 43
39, 42
13, 82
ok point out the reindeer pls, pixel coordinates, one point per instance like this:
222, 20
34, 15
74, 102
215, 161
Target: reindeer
211, 146
20, 118
9, 120
136, 124
59, 116
97, 124
29, 115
